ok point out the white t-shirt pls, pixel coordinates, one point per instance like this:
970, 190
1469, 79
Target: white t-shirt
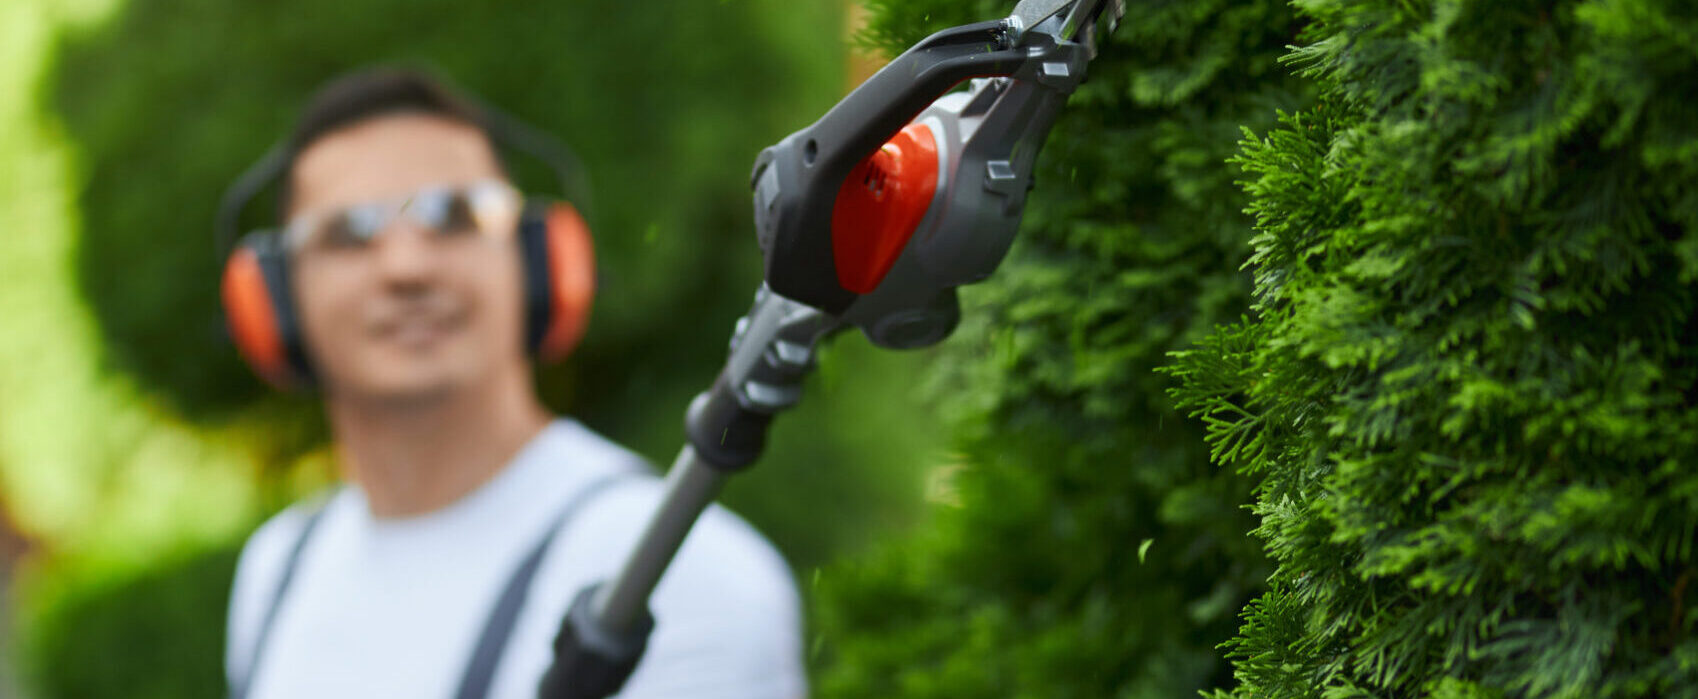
393, 607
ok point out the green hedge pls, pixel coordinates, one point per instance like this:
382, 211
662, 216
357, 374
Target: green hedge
1094, 551
157, 634
1470, 384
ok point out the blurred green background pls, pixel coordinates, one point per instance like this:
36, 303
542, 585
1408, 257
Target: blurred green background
136, 452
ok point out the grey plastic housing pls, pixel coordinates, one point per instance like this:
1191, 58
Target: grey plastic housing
988, 139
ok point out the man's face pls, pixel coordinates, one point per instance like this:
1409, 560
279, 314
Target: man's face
409, 316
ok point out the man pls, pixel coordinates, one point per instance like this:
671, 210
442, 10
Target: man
455, 470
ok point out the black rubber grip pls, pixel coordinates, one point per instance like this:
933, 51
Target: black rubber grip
726, 435
590, 663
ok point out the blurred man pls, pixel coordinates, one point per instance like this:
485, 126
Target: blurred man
406, 283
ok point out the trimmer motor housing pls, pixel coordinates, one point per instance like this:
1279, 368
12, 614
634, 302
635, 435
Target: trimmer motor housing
879, 210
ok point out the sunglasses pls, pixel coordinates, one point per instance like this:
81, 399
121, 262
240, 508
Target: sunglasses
487, 208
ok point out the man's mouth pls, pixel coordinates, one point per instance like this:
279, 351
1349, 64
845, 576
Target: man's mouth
417, 330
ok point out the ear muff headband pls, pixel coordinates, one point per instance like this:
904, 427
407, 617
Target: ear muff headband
241, 192
556, 248
510, 131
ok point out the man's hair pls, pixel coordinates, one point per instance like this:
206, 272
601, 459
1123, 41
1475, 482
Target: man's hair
369, 93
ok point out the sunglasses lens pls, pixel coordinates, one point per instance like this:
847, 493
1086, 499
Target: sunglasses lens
458, 216
492, 208
351, 227
434, 209
489, 209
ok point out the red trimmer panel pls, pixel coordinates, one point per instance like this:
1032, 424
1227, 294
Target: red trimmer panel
880, 204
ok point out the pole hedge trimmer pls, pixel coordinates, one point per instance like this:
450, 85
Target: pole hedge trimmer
870, 218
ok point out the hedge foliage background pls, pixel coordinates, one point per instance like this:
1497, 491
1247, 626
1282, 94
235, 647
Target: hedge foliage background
1468, 387
135, 449
1094, 551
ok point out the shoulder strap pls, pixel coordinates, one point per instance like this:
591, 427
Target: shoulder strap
239, 687
480, 671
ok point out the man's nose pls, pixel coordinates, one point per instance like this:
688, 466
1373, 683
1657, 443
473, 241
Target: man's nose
403, 253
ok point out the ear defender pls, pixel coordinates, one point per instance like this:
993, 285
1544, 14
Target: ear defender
559, 262
260, 313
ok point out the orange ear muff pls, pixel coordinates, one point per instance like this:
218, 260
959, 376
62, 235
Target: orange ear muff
560, 271
251, 316
260, 320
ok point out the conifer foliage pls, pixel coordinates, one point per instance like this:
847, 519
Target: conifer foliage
1470, 383
1094, 551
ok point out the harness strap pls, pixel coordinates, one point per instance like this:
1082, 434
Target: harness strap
492, 642
239, 688
480, 672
